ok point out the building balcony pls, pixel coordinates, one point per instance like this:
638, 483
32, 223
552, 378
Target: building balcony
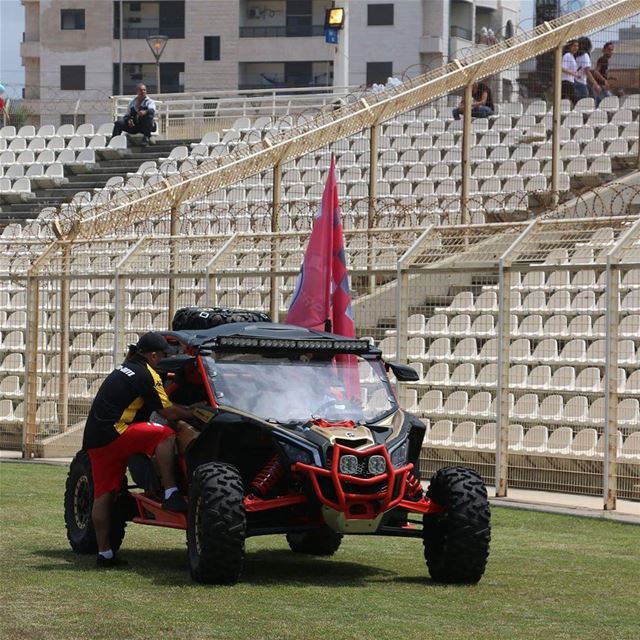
284, 31
30, 49
456, 31
140, 33
491, 5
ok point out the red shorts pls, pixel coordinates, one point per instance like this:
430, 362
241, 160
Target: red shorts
109, 463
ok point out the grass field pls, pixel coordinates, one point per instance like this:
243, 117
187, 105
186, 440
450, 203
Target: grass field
548, 577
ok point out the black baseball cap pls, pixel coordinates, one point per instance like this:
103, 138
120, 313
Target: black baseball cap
152, 341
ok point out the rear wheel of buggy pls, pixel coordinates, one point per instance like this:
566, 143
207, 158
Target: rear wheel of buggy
216, 525
78, 503
320, 542
456, 542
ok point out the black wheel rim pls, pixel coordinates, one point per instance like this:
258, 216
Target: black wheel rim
82, 502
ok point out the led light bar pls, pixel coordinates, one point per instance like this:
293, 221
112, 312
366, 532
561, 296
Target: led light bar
350, 346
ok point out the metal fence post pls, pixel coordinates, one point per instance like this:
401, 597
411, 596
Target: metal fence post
65, 313
610, 468
274, 298
556, 162
173, 260
466, 153
502, 386
402, 313
31, 368
118, 317
374, 143
401, 327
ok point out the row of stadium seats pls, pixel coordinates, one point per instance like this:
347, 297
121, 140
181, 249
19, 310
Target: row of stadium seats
57, 144
537, 439
547, 351
543, 302
48, 131
557, 326
550, 409
564, 379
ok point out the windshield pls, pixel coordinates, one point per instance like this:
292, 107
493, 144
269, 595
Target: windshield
296, 389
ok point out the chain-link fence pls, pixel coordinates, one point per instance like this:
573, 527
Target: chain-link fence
525, 335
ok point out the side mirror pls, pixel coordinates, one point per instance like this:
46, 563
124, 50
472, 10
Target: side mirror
403, 372
173, 364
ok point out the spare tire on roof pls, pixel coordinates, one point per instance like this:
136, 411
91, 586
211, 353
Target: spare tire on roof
208, 317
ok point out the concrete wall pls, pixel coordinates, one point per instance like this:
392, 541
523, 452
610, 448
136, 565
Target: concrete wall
398, 43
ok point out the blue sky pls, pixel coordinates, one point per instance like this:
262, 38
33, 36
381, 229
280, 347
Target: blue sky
11, 28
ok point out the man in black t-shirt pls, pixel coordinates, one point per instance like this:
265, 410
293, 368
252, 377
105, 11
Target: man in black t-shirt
601, 72
482, 105
117, 427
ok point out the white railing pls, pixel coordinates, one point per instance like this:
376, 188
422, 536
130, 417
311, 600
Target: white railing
191, 115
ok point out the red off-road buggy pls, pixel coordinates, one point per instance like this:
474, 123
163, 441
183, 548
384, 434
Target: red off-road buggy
298, 433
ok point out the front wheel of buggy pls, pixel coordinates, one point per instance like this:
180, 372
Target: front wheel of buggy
456, 542
78, 503
320, 542
216, 527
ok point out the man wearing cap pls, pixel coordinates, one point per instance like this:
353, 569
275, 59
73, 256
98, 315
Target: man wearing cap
117, 427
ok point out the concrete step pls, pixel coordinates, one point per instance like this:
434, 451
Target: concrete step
63, 445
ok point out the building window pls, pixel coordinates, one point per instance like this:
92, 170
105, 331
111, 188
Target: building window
299, 18
379, 15
75, 119
378, 72
71, 19
212, 47
72, 77
143, 19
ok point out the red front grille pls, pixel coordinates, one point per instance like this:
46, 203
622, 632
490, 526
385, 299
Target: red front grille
358, 497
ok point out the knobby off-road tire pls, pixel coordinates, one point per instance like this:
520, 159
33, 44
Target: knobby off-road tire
217, 524
456, 542
208, 317
320, 542
78, 502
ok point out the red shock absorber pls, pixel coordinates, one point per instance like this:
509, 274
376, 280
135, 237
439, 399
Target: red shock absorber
414, 488
270, 475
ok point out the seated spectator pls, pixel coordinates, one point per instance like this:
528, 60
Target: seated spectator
139, 116
482, 105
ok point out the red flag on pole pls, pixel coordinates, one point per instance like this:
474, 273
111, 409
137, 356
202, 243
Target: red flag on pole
322, 299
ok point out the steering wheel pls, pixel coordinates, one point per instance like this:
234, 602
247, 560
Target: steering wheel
350, 407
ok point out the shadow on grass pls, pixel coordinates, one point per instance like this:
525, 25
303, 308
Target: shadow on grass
277, 566
263, 567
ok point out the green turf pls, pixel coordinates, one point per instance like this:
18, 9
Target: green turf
548, 577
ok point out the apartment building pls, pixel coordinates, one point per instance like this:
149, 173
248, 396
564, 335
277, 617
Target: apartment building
73, 50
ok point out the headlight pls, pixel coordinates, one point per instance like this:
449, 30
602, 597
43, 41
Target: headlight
349, 465
377, 465
399, 454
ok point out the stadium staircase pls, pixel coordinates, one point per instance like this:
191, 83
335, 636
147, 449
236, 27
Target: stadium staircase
88, 178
